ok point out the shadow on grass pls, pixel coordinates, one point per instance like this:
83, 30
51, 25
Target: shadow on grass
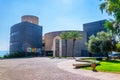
112, 61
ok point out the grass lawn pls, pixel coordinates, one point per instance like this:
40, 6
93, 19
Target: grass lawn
107, 66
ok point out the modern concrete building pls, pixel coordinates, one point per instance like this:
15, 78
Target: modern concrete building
26, 35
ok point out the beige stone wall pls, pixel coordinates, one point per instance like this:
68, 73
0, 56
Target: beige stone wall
48, 38
80, 44
30, 18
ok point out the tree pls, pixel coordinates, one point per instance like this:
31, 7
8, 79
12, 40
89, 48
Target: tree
93, 44
74, 35
101, 43
106, 45
113, 29
64, 35
112, 7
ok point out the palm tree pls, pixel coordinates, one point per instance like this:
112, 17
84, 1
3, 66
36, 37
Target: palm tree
74, 35
64, 35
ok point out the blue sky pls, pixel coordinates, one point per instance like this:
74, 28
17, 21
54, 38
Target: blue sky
54, 15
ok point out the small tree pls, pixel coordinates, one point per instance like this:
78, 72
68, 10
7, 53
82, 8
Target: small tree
101, 43
74, 35
64, 35
106, 47
106, 42
93, 43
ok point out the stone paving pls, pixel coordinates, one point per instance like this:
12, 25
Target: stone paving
68, 66
37, 69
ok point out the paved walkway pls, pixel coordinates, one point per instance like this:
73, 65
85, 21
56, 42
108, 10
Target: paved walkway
37, 69
67, 66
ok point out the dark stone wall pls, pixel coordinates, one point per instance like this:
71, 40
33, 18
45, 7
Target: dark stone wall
23, 35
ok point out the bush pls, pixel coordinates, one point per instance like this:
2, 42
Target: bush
118, 47
15, 55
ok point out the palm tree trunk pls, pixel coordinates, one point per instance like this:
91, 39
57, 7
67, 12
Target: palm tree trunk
73, 50
66, 47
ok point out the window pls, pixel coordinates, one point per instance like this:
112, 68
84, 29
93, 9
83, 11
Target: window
14, 33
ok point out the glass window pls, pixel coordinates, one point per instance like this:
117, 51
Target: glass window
14, 33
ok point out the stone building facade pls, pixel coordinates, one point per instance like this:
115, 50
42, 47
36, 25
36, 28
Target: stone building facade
51, 38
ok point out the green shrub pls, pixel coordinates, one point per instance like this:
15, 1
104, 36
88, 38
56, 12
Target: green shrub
118, 47
15, 55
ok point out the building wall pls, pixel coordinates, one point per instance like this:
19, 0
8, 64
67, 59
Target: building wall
23, 35
80, 44
93, 27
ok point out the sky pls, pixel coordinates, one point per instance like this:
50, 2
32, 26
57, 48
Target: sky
54, 15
